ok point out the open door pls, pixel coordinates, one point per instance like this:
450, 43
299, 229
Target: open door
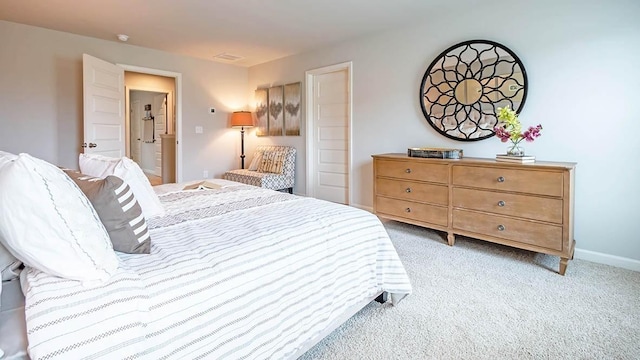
103, 97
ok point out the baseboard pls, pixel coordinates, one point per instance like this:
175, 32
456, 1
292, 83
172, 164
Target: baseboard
366, 208
601, 258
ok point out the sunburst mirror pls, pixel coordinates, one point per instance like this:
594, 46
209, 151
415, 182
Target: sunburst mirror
466, 84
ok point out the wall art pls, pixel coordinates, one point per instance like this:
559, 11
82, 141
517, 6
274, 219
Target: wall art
292, 109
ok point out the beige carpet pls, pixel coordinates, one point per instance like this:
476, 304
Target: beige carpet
479, 300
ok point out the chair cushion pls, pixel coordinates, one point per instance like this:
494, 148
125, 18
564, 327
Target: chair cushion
255, 162
272, 162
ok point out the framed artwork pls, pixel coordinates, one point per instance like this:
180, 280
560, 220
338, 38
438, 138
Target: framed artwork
292, 109
262, 109
276, 110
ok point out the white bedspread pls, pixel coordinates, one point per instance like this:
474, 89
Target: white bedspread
238, 273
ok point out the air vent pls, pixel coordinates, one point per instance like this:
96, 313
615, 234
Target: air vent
227, 57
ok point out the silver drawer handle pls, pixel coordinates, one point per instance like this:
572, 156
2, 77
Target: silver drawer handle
407, 209
408, 171
408, 190
501, 179
500, 203
500, 227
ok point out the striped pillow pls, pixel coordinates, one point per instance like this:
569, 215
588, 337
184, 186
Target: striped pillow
118, 210
272, 162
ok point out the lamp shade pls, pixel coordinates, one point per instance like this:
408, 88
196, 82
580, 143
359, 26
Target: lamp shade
241, 119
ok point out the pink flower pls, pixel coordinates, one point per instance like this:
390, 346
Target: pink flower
502, 134
532, 133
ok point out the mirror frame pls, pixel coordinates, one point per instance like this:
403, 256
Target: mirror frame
458, 111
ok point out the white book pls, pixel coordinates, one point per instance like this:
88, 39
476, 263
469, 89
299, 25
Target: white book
516, 159
525, 157
202, 185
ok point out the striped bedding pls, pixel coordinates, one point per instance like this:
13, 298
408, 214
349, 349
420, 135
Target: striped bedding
234, 273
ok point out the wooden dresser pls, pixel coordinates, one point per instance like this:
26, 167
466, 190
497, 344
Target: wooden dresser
528, 206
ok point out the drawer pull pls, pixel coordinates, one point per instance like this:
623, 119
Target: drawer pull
408, 171
501, 179
500, 227
408, 190
500, 203
407, 210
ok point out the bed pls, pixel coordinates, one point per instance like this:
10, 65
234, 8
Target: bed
235, 272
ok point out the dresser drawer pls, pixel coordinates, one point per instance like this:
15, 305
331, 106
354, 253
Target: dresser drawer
524, 206
412, 210
505, 179
413, 191
547, 236
414, 170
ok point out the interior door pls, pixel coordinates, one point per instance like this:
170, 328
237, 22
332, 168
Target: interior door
103, 97
136, 135
160, 123
331, 136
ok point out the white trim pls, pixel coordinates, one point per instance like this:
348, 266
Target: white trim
178, 96
309, 76
613, 260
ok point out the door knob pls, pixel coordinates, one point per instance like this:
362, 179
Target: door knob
92, 145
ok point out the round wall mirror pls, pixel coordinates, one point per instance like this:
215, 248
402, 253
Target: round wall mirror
465, 85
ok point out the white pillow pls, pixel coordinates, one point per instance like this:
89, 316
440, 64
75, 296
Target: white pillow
97, 165
129, 171
49, 224
9, 264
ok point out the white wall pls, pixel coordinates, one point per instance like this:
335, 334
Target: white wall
584, 86
41, 96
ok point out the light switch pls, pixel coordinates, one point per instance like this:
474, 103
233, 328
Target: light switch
199, 130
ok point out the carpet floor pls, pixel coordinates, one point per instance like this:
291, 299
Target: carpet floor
478, 300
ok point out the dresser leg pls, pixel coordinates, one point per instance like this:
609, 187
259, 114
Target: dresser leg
451, 239
563, 265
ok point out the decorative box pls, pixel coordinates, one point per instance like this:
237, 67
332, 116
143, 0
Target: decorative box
438, 153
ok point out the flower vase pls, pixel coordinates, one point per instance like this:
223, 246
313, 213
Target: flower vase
515, 150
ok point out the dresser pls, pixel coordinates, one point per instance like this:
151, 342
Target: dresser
528, 206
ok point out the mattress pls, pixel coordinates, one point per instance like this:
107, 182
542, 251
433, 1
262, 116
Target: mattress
238, 272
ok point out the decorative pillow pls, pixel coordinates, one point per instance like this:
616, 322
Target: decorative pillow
272, 162
118, 210
50, 225
126, 169
255, 162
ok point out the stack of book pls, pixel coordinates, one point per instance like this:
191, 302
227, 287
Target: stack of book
516, 159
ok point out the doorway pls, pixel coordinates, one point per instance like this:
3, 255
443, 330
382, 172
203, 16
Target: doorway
148, 121
153, 80
151, 125
329, 104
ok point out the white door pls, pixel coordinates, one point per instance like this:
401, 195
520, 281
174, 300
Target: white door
160, 121
136, 134
103, 95
330, 134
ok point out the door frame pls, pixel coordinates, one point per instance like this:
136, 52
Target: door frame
178, 105
310, 75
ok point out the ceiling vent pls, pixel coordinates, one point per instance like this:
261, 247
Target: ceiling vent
227, 57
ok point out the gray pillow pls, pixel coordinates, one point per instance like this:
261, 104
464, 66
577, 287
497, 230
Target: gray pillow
118, 210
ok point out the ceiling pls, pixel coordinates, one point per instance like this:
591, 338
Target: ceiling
258, 31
